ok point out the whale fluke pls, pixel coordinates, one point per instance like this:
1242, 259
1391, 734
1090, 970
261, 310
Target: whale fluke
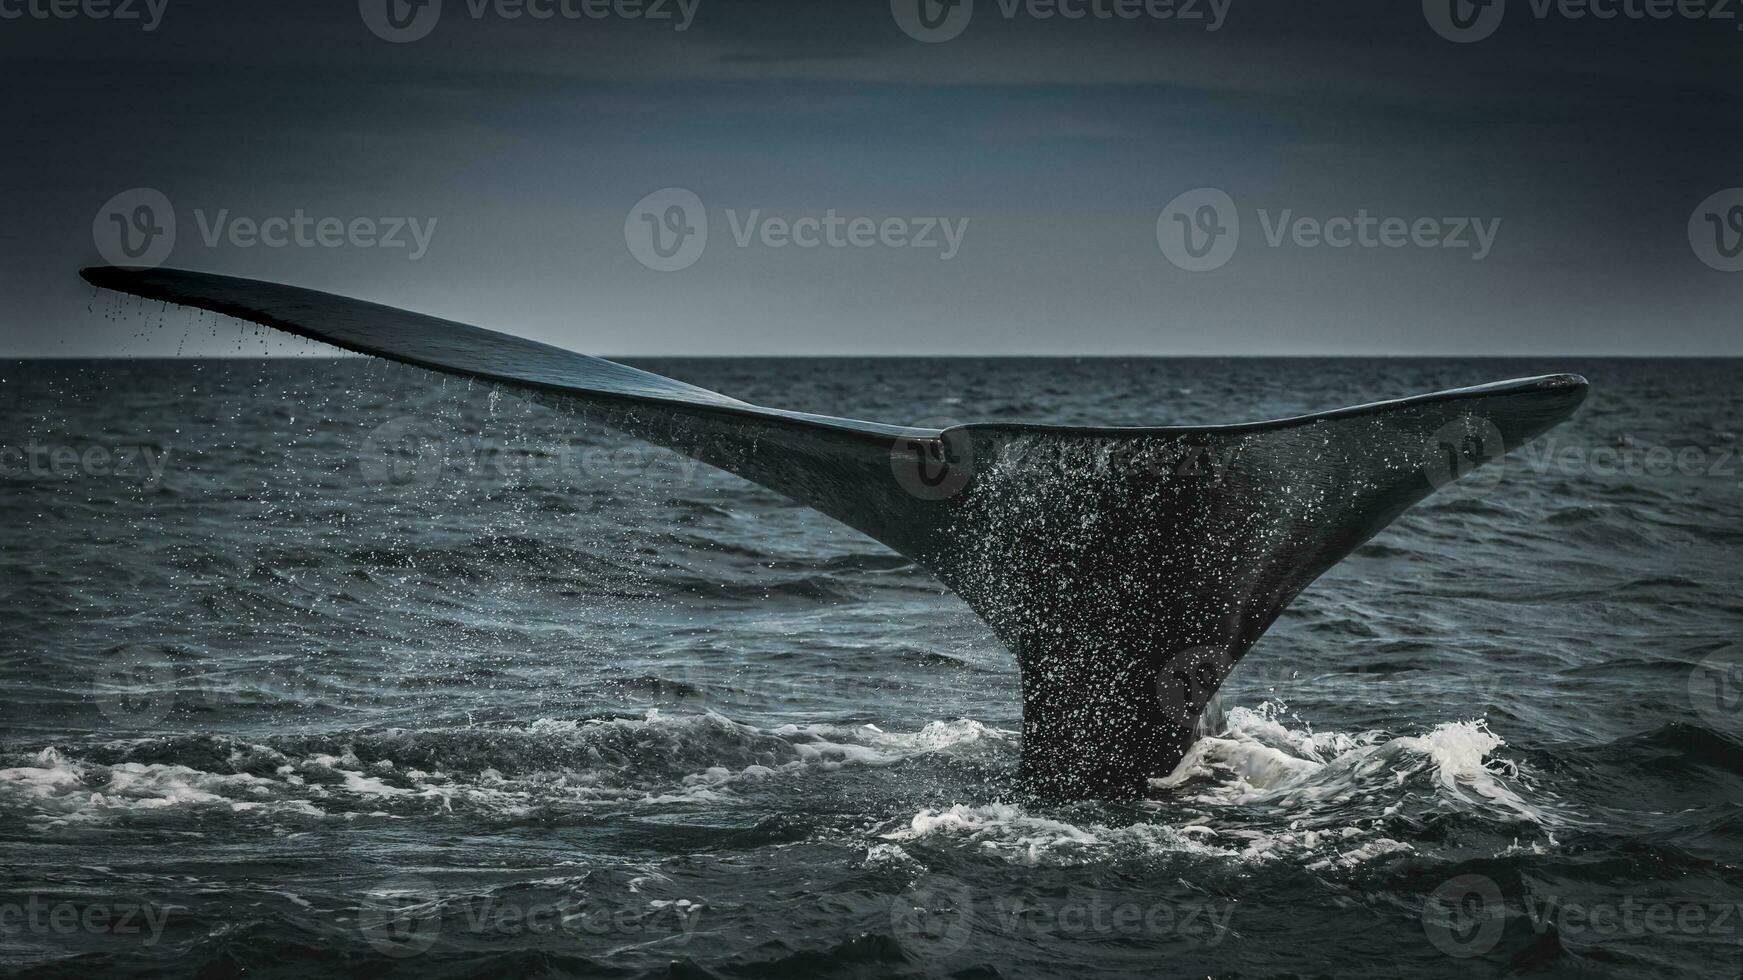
1128, 569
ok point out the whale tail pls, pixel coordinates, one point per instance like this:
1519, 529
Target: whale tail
1128, 569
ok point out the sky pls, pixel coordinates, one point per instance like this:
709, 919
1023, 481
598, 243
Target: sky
895, 177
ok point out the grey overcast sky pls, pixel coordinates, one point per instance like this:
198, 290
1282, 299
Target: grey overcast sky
1549, 174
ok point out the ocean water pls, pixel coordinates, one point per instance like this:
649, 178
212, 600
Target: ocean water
282, 699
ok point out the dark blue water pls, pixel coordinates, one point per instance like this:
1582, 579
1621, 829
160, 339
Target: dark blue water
281, 699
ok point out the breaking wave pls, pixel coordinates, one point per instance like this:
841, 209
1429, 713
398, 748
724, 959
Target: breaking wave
498, 771
1262, 790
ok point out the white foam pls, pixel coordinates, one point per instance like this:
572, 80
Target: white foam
609, 762
1266, 788
1270, 788
1019, 835
50, 776
1259, 760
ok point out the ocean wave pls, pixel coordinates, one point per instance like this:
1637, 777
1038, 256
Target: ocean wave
1260, 761
504, 771
1264, 790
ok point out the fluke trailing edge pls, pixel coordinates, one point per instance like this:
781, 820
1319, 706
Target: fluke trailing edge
1128, 569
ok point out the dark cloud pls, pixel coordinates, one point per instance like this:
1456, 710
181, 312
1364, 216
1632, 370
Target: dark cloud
1059, 141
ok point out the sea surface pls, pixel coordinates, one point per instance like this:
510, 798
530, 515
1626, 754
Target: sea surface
283, 698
